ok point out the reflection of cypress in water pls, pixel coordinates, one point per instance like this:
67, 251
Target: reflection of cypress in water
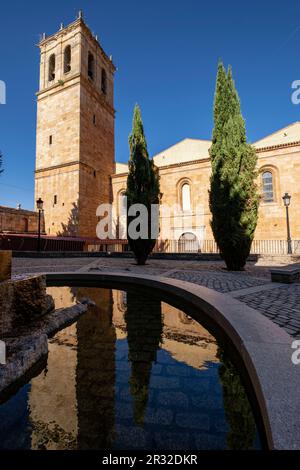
237, 407
96, 371
144, 330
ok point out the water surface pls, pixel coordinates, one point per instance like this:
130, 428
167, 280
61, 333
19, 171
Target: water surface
131, 373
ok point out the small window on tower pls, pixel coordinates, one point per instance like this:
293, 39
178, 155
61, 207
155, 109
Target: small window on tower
95, 173
94, 119
55, 199
67, 59
51, 68
50, 139
103, 82
91, 66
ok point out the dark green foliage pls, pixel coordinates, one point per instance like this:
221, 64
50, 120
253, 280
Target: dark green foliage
238, 411
142, 185
233, 195
144, 334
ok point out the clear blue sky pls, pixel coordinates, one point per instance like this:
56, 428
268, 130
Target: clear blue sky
166, 53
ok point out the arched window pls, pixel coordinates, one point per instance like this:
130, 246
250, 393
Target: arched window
186, 197
267, 186
103, 82
67, 59
51, 75
91, 66
122, 204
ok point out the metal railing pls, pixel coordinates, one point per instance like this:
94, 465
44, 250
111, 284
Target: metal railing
18, 242
259, 247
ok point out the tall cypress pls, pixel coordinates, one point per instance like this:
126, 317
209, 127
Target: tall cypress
233, 194
142, 186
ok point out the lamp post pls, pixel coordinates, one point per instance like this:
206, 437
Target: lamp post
287, 200
39, 205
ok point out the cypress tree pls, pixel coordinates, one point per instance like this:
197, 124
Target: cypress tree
142, 186
233, 197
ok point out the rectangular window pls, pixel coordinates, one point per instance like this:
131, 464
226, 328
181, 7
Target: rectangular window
94, 119
55, 199
50, 139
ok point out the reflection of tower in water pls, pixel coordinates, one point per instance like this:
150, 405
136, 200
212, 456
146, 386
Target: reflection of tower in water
96, 371
144, 329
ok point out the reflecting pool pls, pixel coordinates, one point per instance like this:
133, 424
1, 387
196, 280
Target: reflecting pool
132, 373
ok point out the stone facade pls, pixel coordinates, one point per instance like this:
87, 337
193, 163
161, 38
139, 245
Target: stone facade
75, 130
188, 163
18, 220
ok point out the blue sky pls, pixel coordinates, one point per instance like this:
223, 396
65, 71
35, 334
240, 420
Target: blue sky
166, 53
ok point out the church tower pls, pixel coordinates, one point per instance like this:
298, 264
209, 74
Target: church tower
75, 130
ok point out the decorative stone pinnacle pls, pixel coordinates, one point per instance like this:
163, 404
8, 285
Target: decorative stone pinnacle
61, 26
80, 14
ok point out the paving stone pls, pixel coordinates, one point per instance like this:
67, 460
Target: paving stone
172, 441
221, 282
164, 382
160, 416
177, 399
207, 401
123, 365
199, 385
205, 441
129, 437
178, 371
193, 421
157, 369
124, 410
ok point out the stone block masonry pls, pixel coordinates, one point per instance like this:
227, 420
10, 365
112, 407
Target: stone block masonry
5, 265
75, 131
21, 302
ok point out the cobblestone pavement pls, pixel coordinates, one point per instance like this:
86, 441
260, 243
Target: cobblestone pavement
219, 281
280, 303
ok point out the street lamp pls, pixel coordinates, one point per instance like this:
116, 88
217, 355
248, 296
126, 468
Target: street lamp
287, 200
39, 205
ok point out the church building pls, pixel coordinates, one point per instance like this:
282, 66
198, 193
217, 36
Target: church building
75, 157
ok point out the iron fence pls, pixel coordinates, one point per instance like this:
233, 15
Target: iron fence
259, 247
17, 242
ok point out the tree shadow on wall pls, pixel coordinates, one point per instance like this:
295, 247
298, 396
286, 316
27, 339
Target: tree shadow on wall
70, 229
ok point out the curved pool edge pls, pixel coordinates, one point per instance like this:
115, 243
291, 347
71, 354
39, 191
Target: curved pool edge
264, 348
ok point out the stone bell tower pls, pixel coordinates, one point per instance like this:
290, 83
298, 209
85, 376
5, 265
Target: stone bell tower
75, 130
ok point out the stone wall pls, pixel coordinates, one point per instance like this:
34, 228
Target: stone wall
18, 220
22, 301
